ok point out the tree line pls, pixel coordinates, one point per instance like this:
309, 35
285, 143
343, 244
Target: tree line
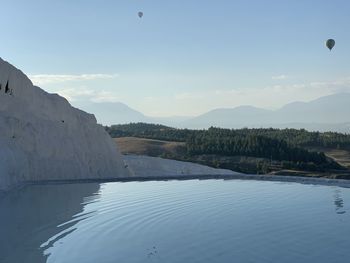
288, 145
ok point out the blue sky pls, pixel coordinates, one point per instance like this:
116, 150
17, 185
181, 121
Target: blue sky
182, 57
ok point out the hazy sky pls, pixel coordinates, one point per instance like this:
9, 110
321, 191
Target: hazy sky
183, 57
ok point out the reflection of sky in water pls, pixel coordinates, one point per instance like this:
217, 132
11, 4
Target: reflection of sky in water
176, 221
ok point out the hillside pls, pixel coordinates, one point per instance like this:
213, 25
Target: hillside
109, 113
112, 112
246, 150
141, 146
329, 113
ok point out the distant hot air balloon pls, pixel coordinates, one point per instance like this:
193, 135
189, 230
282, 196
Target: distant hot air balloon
330, 43
140, 14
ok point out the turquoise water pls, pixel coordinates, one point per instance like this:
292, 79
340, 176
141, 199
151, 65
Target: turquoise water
176, 221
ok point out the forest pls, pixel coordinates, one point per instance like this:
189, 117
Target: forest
289, 147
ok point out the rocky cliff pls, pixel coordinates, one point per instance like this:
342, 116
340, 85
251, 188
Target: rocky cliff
42, 137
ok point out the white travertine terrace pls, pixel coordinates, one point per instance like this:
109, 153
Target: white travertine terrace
42, 137
155, 167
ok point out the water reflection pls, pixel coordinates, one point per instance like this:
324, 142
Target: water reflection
34, 214
176, 221
339, 202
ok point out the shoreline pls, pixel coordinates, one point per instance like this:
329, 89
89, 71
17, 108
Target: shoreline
146, 168
263, 178
269, 178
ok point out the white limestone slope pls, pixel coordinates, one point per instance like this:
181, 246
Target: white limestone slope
43, 138
155, 167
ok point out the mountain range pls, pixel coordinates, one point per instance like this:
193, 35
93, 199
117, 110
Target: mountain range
329, 113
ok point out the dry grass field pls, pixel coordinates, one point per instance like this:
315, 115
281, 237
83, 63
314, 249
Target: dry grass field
177, 150
340, 156
141, 146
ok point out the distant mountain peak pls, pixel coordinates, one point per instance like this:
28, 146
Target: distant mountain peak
323, 112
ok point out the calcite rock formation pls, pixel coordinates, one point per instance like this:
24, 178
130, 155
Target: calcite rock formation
43, 138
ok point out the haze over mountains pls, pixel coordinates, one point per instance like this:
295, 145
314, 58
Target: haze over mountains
329, 113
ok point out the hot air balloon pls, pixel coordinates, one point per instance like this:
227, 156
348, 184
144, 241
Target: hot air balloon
140, 14
330, 43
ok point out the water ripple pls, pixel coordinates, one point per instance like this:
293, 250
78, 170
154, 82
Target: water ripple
177, 221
